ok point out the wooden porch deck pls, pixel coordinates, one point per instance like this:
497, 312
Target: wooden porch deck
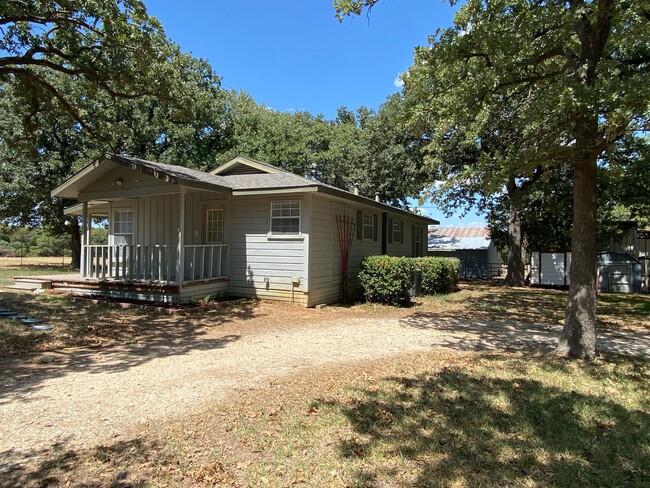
140, 290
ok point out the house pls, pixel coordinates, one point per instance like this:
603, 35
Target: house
245, 229
479, 258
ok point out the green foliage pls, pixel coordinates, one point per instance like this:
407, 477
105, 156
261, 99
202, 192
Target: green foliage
29, 241
387, 279
98, 236
113, 47
439, 275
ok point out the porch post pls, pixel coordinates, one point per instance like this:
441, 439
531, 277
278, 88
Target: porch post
180, 263
84, 239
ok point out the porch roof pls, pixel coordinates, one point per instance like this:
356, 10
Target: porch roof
169, 173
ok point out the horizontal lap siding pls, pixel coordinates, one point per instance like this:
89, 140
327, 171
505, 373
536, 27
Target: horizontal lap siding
259, 266
324, 256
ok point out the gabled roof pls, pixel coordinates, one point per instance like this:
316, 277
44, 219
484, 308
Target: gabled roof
239, 176
166, 172
458, 238
246, 175
242, 165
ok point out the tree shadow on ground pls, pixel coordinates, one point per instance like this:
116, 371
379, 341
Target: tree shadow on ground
120, 464
463, 428
509, 335
107, 340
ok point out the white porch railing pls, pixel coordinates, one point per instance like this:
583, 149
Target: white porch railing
205, 261
153, 262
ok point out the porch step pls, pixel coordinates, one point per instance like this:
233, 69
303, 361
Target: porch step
30, 284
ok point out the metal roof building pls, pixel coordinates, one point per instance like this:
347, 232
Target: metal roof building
473, 246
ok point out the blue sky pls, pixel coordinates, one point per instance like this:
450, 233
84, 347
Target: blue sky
294, 54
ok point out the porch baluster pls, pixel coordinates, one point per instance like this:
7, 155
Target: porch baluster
124, 262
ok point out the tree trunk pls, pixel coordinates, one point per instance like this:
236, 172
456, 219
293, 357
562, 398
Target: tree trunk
578, 338
75, 243
516, 272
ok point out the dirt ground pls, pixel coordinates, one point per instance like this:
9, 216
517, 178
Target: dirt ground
104, 373
77, 397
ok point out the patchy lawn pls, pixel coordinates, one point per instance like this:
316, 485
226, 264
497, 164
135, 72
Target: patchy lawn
432, 419
80, 323
10, 267
435, 419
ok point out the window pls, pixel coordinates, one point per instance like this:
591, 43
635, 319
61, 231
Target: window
214, 225
122, 227
397, 231
368, 223
417, 241
285, 218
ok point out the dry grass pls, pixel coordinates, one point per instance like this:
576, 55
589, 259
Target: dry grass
29, 266
80, 324
436, 419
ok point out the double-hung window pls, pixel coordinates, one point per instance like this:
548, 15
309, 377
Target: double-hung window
368, 223
122, 227
214, 225
397, 231
418, 241
285, 218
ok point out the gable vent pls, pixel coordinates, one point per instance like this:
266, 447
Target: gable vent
242, 169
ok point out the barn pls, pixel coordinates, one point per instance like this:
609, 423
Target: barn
473, 246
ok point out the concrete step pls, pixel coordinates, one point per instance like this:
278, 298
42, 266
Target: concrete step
30, 284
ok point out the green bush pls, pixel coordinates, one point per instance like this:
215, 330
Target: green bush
439, 275
387, 279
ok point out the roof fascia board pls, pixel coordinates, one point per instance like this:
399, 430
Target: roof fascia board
368, 201
83, 172
275, 191
162, 175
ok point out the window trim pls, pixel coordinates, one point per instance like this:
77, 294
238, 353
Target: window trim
207, 221
397, 226
371, 226
113, 222
299, 235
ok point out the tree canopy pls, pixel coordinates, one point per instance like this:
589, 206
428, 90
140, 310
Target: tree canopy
107, 46
574, 72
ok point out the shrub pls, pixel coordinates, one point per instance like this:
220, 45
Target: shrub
439, 275
387, 279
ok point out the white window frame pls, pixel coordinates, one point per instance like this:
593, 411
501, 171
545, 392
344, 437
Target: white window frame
397, 232
273, 206
367, 226
115, 222
219, 212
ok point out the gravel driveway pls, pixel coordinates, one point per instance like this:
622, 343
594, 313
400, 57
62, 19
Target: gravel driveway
85, 396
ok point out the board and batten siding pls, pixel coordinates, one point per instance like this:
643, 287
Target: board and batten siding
156, 217
262, 266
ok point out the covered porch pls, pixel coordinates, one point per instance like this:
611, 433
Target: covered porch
167, 236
